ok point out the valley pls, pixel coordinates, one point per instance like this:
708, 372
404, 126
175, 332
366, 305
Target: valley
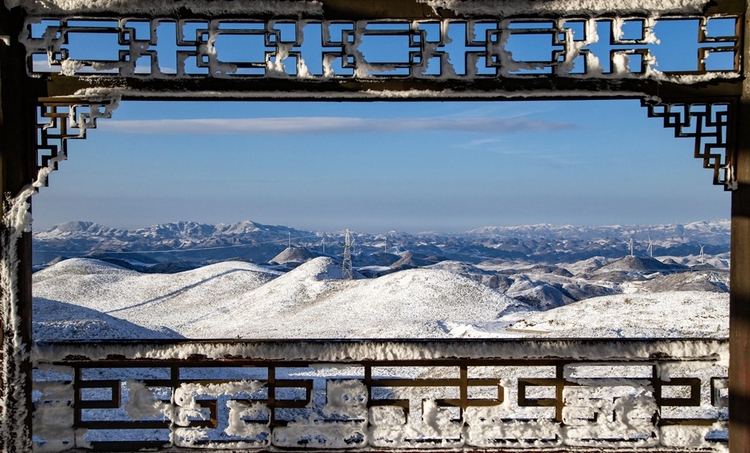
179, 281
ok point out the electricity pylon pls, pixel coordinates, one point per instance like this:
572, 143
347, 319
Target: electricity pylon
347, 270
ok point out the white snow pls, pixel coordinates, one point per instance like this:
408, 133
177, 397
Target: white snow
246, 300
312, 302
675, 314
505, 8
250, 301
157, 7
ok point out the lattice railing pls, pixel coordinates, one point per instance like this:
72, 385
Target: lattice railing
660, 394
456, 49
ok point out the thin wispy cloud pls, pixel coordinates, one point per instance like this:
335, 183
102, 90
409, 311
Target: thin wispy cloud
484, 141
495, 145
332, 125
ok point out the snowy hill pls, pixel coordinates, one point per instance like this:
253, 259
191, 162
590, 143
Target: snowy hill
686, 314
149, 300
237, 299
54, 320
639, 264
293, 255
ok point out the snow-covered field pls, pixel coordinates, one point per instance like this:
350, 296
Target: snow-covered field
85, 298
673, 314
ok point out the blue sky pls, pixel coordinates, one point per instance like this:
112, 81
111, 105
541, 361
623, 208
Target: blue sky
376, 166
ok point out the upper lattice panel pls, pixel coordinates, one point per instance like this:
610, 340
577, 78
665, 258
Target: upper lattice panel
681, 49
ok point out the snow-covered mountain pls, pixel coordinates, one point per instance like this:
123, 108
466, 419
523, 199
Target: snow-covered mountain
86, 298
707, 232
191, 241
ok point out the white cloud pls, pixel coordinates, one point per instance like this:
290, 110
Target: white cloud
328, 125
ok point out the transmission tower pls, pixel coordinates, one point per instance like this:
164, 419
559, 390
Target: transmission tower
346, 267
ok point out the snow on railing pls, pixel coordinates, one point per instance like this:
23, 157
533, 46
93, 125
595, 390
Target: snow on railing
454, 394
622, 47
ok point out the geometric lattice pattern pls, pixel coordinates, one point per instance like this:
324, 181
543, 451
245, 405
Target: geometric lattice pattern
60, 121
622, 47
710, 125
425, 404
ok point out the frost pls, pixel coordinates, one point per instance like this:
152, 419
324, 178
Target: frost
189, 406
436, 426
188, 399
150, 7
358, 351
53, 417
488, 432
623, 415
347, 398
237, 425
310, 434
412, 94
142, 402
691, 436
506, 8
601, 409
69, 67
16, 221
344, 425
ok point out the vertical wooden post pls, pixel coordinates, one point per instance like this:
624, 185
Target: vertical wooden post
739, 295
18, 95
739, 298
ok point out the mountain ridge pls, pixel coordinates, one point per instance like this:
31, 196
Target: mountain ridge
252, 241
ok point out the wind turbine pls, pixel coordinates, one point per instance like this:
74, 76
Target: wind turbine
650, 247
630, 244
703, 257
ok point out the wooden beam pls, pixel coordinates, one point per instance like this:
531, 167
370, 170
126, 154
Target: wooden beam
739, 296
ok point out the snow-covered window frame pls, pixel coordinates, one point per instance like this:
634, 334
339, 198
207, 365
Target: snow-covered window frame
68, 93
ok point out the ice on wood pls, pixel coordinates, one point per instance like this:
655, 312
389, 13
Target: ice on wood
505, 8
142, 402
53, 417
340, 423
620, 415
17, 221
243, 423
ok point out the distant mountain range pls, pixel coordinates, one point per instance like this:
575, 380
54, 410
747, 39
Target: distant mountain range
201, 243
